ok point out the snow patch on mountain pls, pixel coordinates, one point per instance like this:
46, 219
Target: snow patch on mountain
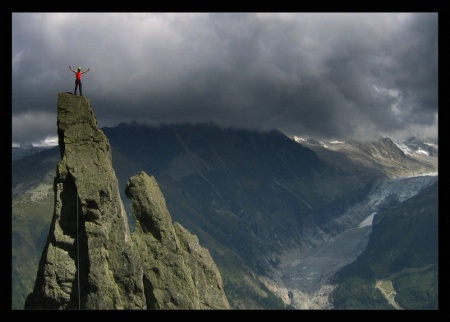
411, 146
402, 146
422, 151
368, 221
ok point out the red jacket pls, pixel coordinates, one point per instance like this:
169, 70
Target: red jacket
78, 75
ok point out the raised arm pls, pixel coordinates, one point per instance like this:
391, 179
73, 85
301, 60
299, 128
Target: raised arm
72, 69
86, 71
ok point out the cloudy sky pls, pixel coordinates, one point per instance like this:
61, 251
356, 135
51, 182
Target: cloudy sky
322, 75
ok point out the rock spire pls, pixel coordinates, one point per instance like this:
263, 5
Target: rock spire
91, 260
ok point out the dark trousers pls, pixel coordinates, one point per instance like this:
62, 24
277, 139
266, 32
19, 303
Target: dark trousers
78, 85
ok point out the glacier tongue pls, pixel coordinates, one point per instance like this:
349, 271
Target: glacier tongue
403, 188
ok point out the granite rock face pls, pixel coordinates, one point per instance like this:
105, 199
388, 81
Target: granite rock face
91, 260
178, 272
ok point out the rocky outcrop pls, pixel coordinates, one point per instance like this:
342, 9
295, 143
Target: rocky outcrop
178, 272
91, 260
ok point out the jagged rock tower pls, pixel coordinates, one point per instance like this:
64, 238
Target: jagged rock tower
178, 272
91, 261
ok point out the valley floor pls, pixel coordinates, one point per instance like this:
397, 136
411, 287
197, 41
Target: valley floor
304, 277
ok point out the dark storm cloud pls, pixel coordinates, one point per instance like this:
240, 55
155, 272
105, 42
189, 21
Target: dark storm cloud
330, 75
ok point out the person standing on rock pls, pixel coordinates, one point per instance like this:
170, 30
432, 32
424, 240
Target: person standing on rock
78, 79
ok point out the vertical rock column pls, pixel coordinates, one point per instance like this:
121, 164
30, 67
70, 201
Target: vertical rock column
89, 261
178, 272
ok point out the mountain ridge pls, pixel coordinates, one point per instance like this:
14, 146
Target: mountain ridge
394, 158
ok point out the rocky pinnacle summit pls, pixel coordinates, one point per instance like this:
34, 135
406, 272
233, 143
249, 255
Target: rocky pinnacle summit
91, 260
